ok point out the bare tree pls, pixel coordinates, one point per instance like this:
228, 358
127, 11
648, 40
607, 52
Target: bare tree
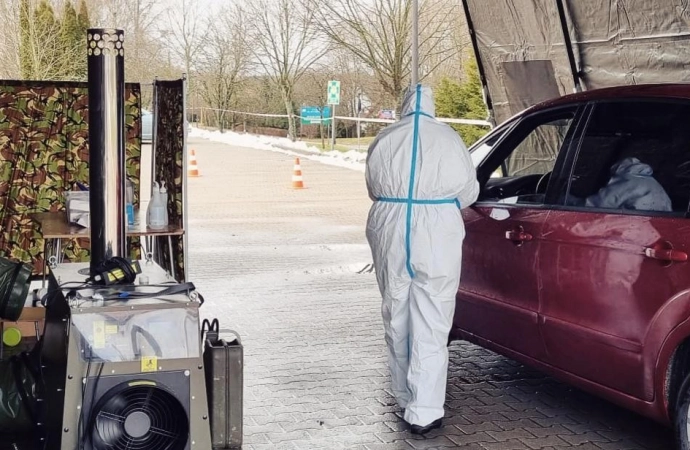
356, 83
10, 66
38, 45
148, 52
187, 33
285, 44
378, 32
452, 46
355, 78
223, 61
311, 91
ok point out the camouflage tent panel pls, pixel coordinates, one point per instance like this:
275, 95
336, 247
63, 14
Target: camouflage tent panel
169, 148
44, 152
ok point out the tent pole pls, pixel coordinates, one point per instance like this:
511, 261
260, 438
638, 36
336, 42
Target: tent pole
569, 47
480, 66
415, 43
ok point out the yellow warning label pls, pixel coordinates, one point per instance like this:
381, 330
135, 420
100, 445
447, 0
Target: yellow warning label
98, 334
111, 329
149, 363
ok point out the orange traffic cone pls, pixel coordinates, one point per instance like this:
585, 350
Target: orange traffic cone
297, 182
193, 170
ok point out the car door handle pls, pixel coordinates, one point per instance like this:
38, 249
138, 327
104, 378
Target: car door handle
664, 252
518, 235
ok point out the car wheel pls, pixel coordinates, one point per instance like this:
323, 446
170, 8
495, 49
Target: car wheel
682, 416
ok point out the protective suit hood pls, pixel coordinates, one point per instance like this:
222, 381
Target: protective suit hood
426, 102
631, 166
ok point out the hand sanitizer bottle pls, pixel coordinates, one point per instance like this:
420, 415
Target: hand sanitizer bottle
156, 211
129, 201
164, 200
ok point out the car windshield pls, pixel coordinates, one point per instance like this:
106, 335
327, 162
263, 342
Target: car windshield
480, 150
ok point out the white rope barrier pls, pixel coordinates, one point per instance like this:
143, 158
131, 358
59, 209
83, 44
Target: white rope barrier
481, 123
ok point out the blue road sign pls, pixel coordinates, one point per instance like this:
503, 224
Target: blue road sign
313, 115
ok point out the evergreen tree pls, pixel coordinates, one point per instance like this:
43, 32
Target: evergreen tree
45, 17
25, 43
83, 18
44, 41
73, 40
69, 28
52, 48
449, 99
464, 101
83, 26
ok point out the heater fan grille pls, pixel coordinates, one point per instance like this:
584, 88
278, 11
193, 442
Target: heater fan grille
139, 416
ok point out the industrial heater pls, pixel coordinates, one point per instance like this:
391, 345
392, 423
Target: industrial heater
122, 363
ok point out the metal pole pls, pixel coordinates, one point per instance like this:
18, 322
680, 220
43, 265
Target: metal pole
415, 43
321, 130
154, 130
358, 130
106, 84
359, 110
185, 197
480, 66
333, 129
577, 85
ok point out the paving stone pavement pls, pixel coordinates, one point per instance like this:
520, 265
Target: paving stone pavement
281, 267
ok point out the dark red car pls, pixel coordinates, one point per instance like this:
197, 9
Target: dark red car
572, 272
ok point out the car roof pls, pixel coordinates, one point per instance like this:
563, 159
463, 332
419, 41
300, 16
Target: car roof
677, 91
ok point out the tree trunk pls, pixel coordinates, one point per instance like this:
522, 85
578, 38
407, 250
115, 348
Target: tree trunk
291, 118
321, 129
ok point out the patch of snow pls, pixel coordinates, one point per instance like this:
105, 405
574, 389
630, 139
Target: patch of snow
351, 159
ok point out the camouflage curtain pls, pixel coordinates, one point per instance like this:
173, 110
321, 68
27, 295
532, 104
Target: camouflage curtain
169, 151
43, 153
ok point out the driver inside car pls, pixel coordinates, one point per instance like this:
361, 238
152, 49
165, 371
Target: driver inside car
631, 187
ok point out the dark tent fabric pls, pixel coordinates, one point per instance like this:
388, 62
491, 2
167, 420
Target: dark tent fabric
523, 47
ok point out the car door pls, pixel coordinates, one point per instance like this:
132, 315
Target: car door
607, 272
498, 298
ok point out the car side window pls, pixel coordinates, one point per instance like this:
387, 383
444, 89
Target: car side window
633, 156
481, 149
519, 169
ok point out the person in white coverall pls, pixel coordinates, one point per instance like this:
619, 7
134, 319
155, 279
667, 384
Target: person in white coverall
419, 174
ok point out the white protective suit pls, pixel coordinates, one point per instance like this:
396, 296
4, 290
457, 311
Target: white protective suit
418, 173
631, 187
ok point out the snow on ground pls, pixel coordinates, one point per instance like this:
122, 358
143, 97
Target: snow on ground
352, 159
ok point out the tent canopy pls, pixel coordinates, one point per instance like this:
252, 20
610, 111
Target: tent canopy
532, 50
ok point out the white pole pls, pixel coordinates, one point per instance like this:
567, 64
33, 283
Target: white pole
333, 128
358, 131
415, 42
358, 107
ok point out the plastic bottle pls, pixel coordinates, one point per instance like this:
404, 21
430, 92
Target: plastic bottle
129, 201
156, 210
164, 200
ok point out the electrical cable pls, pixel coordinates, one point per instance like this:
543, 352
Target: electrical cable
136, 329
170, 290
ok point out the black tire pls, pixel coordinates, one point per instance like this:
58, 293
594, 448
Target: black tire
681, 416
